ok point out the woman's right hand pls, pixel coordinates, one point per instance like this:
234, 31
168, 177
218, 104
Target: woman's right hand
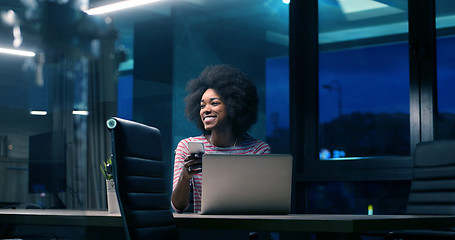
192, 165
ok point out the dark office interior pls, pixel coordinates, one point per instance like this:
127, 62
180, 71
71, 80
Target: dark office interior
348, 88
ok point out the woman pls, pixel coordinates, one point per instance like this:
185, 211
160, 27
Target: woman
223, 103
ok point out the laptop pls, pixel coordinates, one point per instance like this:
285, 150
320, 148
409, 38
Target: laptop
246, 184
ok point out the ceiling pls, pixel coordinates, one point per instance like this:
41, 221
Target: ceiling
339, 20
269, 15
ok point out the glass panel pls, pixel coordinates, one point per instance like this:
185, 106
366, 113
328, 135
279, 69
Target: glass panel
251, 35
445, 58
363, 79
52, 131
277, 104
385, 197
74, 88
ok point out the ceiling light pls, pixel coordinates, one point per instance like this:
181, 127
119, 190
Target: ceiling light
117, 6
17, 52
350, 6
39, 113
358, 10
79, 112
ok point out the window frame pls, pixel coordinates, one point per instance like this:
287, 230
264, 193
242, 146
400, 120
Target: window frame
304, 50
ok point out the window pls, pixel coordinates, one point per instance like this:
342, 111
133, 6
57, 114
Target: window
52, 107
361, 85
277, 104
363, 80
77, 87
445, 13
240, 33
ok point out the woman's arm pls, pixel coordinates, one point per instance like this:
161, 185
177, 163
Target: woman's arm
181, 193
182, 177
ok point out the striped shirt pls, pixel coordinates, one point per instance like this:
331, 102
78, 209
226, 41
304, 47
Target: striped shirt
247, 146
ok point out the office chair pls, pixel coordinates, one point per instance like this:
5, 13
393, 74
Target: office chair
432, 188
139, 181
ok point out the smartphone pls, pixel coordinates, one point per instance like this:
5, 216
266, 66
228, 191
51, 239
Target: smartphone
196, 147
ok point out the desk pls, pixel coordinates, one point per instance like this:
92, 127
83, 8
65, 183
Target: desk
273, 223
313, 222
60, 217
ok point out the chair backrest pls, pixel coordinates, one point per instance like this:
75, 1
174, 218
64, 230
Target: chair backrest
138, 172
433, 182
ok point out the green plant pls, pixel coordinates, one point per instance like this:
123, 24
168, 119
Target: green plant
106, 168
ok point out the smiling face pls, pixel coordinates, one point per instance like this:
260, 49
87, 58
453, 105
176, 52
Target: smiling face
213, 111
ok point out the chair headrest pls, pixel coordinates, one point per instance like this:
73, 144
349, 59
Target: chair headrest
435, 153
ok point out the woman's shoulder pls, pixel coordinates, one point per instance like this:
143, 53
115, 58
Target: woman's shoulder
259, 146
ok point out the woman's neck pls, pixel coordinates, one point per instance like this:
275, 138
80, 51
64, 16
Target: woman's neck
222, 139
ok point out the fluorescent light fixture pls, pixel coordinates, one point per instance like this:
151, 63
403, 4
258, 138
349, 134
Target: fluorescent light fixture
43, 113
39, 113
117, 6
17, 52
84, 113
351, 6
358, 10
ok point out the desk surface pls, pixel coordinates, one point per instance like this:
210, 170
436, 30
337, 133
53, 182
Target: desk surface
60, 217
276, 223
314, 222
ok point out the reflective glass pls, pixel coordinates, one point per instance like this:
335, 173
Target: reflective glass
363, 79
364, 197
53, 136
445, 58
